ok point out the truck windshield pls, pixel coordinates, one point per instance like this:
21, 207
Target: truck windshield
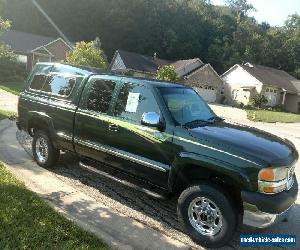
186, 106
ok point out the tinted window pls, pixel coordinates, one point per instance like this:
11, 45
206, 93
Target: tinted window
38, 81
133, 101
100, 95
59, 85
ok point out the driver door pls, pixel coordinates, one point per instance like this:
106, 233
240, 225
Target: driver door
148, 151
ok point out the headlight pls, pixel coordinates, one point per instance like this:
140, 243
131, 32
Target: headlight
272, 180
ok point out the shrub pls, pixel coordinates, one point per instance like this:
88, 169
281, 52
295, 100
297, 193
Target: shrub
279, 108
167, 73
86, 54
12, 71
259, 100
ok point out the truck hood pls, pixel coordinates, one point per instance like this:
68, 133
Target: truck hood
244, 141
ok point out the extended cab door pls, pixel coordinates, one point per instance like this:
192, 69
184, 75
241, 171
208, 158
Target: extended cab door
92, 117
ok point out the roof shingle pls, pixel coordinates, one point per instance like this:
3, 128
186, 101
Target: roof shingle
273, 77
24, 42
140, 62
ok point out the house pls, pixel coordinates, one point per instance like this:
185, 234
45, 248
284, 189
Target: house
31, 48
243, 81
193, 72
202, 77
135, 64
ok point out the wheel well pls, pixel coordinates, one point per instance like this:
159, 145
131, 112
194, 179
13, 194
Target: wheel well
35, 125
194, 174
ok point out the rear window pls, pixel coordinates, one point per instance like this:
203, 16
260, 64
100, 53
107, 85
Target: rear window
54, 84
59, 85
38, 81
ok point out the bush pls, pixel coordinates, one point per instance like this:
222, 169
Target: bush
11, 71
86, 54
279, 108
259, 100
167, 73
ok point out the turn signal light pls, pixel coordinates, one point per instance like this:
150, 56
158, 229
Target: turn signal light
266, 174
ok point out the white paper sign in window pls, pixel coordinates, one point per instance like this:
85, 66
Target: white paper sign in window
132, 102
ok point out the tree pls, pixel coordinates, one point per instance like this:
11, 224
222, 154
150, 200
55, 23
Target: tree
86, 54
6, 54
167, 73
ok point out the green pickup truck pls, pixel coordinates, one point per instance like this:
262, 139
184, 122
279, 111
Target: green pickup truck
164, 134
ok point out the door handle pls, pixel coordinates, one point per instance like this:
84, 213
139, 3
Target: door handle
113, 128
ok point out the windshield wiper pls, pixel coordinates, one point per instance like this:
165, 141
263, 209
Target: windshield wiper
216, 119
211, 120
196, 122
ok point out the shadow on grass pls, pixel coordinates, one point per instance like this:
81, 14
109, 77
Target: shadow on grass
27, 222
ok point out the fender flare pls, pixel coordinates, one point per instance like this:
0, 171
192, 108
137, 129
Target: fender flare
209, 167
39, 118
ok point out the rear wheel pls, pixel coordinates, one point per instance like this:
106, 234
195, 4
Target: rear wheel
45, 154
207, 215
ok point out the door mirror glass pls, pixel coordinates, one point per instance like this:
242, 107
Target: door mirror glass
151, 119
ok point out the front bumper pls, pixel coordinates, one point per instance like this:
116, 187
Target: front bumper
262, 210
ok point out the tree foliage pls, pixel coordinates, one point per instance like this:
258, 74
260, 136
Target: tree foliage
167, 73
86, 54
175, 29
6, 55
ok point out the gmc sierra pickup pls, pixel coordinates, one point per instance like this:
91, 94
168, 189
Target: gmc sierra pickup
166, 134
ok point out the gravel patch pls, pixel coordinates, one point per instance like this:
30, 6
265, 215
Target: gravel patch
158, 214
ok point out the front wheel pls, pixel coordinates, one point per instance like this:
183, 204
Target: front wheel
45, 154
207, 215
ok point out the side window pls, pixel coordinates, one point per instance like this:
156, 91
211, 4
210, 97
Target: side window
59, 85
133, 101
100, 95
38, 81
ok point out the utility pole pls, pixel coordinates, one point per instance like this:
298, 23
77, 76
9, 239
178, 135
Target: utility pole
51, 22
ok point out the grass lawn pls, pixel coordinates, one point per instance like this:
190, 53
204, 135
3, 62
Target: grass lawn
3, 115
13, 87
272, 116
28, 222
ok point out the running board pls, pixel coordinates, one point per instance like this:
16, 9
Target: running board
165, 195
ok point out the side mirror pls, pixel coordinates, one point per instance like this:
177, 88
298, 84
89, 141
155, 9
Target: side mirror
152, 119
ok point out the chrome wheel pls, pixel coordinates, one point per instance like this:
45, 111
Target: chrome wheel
42, 150
205, 216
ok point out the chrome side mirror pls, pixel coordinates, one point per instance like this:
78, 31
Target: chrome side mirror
151, 119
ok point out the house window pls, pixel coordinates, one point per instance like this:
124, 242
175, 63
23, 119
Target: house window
267, 90
234, 94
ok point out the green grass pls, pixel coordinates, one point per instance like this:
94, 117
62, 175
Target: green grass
28, 222
272, 116
13, 87
5, 114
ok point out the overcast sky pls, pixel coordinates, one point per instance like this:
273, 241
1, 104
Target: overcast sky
275, 12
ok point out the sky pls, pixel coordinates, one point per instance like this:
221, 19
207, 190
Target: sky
275, 12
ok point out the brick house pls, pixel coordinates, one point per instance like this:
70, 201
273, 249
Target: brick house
193, 72
31, 48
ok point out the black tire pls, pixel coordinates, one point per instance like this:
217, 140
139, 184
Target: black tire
217, 196
52, 152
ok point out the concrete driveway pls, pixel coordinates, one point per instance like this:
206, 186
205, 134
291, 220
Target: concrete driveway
8, 101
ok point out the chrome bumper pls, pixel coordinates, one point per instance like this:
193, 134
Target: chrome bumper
255, 218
